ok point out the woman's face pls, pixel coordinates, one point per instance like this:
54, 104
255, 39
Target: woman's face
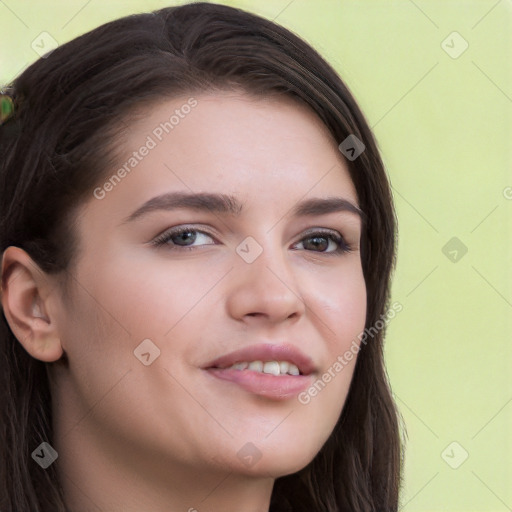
258, 265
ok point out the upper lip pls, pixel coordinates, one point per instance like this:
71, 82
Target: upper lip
266, 352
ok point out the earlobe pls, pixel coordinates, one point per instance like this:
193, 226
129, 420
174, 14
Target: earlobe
26, 303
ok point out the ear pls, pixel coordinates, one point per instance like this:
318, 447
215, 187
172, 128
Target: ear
27, 302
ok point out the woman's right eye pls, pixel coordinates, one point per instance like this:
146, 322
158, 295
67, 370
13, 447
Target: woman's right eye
181, 237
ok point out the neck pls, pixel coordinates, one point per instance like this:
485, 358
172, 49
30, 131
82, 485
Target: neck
102, 476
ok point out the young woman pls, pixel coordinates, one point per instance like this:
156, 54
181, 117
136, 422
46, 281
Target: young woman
197, 237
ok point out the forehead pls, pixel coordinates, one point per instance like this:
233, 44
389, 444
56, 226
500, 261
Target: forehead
268, 152
216, 133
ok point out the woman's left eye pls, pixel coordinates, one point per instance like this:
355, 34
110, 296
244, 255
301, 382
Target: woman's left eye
320, 241
325, 240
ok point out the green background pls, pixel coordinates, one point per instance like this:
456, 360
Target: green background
443, 123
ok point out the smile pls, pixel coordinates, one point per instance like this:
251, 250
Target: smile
269, 367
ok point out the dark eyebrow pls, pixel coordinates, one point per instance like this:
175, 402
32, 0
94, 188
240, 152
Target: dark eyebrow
215, 203
226, 204
322, 206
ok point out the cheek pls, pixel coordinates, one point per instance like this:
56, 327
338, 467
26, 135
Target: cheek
341, 305
340, 315
149, 298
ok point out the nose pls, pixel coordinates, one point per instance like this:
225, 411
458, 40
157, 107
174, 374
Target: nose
264, 290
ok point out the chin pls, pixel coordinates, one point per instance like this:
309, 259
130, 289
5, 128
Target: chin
278, 463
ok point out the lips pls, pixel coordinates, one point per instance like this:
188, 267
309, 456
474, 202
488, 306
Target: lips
266, 352
275, 387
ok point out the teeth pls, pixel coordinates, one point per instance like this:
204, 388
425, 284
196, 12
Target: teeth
272, 367
293, 370
256, 366
269, 367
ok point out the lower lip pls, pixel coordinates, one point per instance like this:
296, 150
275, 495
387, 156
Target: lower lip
279, 387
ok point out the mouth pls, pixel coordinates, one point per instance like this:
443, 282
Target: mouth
273, 371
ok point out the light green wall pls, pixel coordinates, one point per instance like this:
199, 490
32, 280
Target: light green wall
444, 128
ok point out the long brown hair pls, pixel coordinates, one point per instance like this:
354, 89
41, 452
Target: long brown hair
69, 108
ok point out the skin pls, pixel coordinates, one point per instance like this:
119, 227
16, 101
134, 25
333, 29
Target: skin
165, 436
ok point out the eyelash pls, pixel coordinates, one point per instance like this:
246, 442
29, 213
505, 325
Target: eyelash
343, 246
